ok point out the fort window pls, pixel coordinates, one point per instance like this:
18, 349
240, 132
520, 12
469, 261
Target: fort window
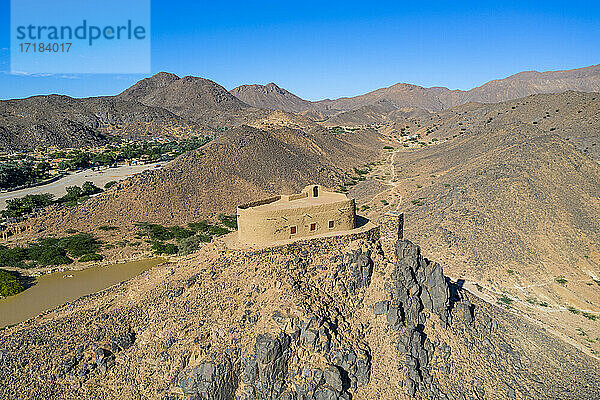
330, 224
316, 191
292, 230
313, 226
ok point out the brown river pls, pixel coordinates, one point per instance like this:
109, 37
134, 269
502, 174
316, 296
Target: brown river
52, 290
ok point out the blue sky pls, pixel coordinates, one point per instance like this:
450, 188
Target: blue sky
330, 49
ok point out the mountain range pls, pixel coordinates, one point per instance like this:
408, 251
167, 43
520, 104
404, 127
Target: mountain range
168, 103
402, 95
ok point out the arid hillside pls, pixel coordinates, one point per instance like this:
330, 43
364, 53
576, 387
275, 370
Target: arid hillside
166, 105
195, 99
190, 97
160, 106
240, 165
507, 196
62, 121
324, 318
402, 95
380, 112
270, 96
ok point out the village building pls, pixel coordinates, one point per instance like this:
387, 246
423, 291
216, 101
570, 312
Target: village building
314, 211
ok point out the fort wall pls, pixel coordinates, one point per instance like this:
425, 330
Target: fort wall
312, 212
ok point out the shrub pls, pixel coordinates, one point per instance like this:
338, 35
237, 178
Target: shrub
80, 244
88, 189
164, 248
13, 173
155, 231
48, 252
9, 284
573, 310
91, 257
505, 300
107, 228
178, 232
205, 238
189, 245
110, 184
561, 280
590, 316
229, 221
76, 194
13, 257
201, 226
159, 232
217, 230
73, 193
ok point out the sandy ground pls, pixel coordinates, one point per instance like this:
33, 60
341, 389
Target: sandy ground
99, 178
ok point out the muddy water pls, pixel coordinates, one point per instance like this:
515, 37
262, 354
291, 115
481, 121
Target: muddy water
54, 289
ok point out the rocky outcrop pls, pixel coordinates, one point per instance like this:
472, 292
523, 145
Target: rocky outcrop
418, 286
327, 319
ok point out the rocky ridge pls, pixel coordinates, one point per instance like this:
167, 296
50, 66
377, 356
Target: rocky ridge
433, 99
329, 318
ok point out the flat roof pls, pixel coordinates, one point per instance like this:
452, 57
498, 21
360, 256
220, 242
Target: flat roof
284, 204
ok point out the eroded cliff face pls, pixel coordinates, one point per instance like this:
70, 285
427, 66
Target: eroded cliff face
331, 318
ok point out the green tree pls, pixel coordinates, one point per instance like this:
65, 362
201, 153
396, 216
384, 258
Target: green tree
88, 189
229, 221
9, 284
110, 184
13, 257
48, 252
190, 244
164, 248
80, 244
73, 194
91, 257
180, 233
25, 205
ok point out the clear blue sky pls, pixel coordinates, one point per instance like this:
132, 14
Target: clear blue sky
331, 49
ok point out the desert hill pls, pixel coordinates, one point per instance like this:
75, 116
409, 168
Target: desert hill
532, 82
196, 99
163, 105
508, 197
242, 164
574, 116
190, 97
62, 121
380, 112
270, 96
323, 318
